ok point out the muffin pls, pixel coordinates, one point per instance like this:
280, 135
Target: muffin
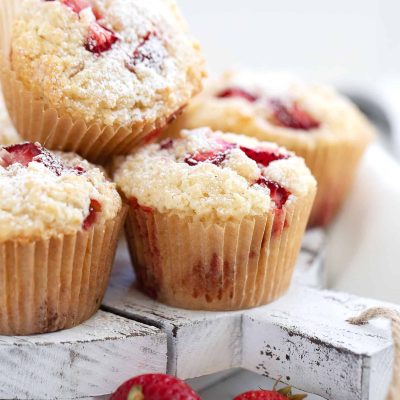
97, 77
314, 121
8, 134
59, 219
215, 220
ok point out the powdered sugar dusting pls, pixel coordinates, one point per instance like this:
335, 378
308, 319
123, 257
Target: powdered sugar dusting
150, 70
329, 113
49, 196
220, 180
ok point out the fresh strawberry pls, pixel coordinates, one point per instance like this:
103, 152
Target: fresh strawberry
237, 92
282, 394
99, 39
278, 193
76, 5
214, 156
154, 387
94, 208
263, 156
293, 116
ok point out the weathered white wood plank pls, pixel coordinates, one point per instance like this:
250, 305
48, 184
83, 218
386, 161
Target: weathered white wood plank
307, 326
304, 339
89, 360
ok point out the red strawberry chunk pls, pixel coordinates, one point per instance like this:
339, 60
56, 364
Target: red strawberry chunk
79, 170
237, 92
150, 52
135, 204
278, 193
76, 5
263, 156
155, 387
23, 153
5, 158
215, 156
94, 208
293, 116
99, 39
167, 144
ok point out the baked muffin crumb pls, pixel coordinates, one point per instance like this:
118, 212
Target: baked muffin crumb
44, 194
209, 174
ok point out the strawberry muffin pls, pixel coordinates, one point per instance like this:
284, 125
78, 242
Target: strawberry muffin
215, 220
8, 134
98, 76
59, 219
314, 121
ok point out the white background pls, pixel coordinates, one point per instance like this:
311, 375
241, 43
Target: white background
353, 41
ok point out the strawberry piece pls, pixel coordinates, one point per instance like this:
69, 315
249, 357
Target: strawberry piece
26, 153
23, 153
263, 156
154, 387
5, 158
135, 204
215, 156
99, 39
76, 5
278, 193
79, 170
237, 92
293, 117
149, 52
166, 144
94, 208
282, 394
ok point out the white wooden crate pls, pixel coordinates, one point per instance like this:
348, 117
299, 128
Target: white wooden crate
302, 337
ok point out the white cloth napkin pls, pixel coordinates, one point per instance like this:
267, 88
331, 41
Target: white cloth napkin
363, 249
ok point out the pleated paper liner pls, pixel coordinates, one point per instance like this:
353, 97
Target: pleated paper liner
333, 162
216, 266
58, 283
35, 120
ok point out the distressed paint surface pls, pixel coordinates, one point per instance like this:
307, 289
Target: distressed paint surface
89, 360
304, 338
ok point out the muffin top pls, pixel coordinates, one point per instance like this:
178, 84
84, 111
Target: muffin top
44, 194
274, 104
210, 174
114, 62
8, 134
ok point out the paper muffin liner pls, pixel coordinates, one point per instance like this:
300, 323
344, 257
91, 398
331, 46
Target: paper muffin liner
57, 283
192, 264
333, 162
35, 120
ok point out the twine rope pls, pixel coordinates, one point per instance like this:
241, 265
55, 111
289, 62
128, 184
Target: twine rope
394, 317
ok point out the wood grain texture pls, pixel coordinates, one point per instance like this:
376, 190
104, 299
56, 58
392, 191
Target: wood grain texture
304, 338
89, 360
